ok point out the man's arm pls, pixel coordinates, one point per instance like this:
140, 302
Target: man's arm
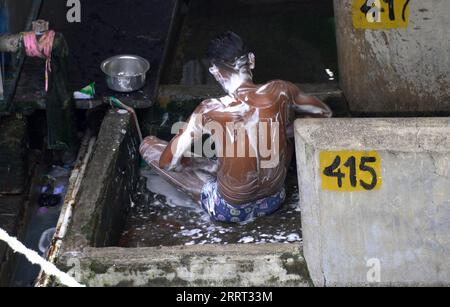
308, 105
171, 158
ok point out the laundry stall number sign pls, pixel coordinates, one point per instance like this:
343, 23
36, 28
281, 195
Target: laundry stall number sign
380, 14
350, 171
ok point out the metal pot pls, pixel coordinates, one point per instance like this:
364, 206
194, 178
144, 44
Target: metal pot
125, 73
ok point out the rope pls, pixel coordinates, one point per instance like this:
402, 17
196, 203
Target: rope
117, 103
34, 258
40, 49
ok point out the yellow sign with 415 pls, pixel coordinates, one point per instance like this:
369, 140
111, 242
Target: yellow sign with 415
350, 171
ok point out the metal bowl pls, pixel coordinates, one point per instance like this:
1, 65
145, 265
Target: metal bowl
125, 73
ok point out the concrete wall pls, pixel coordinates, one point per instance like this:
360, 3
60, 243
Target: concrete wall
13, 150
397, 235
105, 193
396, 70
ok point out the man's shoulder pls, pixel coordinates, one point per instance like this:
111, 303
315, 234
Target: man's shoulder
278, 82
274, 87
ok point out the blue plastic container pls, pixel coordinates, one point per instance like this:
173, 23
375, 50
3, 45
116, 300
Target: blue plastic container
4, 17
4, 29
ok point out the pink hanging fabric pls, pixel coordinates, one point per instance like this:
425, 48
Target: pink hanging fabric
40, 49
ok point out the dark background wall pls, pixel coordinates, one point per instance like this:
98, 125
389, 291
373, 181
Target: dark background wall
19, 11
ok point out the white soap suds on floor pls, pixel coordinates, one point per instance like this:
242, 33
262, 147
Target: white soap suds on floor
245, 240
293, 237
173, 217
190, 233
279, 238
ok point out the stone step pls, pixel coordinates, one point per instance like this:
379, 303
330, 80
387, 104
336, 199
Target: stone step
195, 266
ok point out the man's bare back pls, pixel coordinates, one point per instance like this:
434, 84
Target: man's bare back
249, 130
241, 174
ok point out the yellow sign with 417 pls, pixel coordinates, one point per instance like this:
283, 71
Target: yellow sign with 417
380, 14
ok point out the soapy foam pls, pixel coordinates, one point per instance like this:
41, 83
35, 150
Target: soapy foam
164, 216
174, 197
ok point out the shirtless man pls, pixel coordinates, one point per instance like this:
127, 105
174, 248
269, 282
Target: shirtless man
244, 182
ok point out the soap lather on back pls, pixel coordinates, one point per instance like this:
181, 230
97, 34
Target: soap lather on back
250, 129
261, 171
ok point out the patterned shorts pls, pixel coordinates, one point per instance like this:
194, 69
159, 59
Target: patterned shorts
222, 211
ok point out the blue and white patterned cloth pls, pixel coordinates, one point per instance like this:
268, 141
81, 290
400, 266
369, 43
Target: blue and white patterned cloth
222, 211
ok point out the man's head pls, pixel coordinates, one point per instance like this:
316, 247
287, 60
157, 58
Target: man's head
231, 63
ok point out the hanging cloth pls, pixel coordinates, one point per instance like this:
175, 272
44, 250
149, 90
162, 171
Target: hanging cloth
41, 48
61, 124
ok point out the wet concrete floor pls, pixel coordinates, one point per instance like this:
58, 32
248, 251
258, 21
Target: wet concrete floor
156, 221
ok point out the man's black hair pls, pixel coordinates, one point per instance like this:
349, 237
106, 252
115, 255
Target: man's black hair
226, 47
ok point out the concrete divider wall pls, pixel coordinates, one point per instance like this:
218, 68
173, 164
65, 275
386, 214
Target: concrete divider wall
396, 235
387, 71
105, 193
13, 150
